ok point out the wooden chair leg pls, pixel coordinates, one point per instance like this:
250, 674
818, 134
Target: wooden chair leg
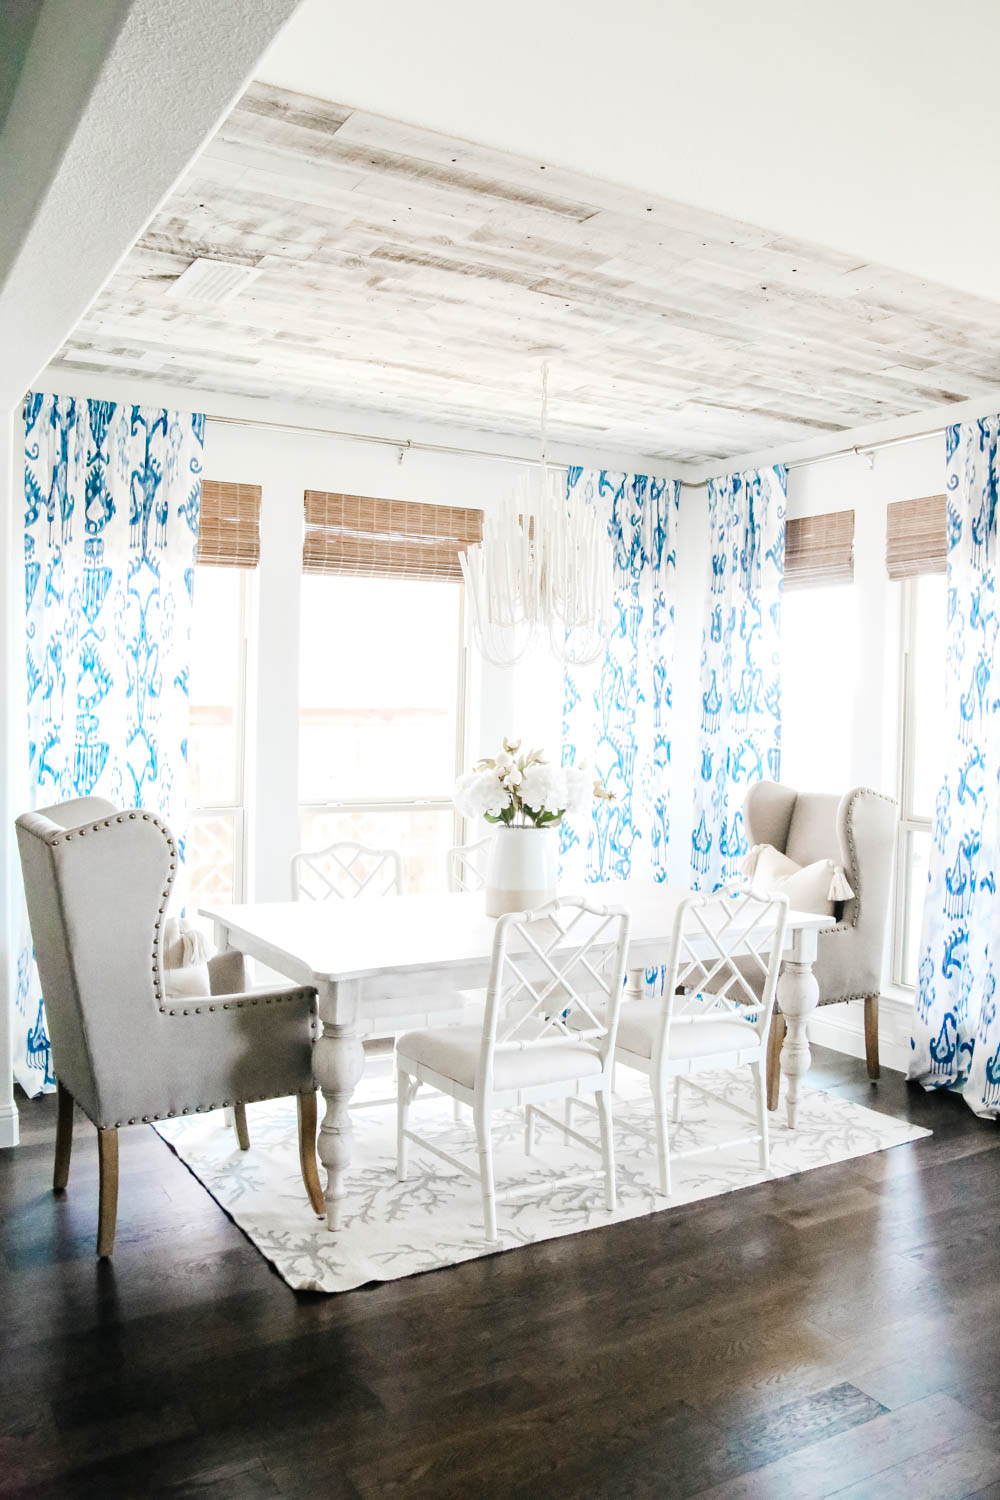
107, 1214
64, 1138
240, 1122
871, 1036
775, 1038
307, 1152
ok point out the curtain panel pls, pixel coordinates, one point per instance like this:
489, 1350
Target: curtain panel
739, 735
112, 497
956, 1035
616, 712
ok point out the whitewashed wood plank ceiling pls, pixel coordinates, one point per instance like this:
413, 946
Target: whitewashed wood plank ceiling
419, 277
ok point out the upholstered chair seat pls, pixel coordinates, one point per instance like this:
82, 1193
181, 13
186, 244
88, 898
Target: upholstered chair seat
97, 882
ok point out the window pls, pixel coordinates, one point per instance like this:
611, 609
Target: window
216, 828
924, 614
382, 678
818, 622
228, 549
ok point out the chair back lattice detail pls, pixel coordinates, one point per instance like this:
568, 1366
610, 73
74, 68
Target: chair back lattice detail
468, 865
345, 871
717, 941
556, 975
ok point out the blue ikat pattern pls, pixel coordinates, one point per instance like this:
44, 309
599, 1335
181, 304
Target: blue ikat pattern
956, 1033
740, 705
616, 713
112, 495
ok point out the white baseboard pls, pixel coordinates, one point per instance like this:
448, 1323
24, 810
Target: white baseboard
842, 1027
9, 1133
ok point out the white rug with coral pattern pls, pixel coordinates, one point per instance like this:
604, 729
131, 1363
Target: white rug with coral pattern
433, 1219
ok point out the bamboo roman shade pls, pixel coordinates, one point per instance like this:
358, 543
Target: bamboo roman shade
386, 538
916, 537
819, 550
229, 525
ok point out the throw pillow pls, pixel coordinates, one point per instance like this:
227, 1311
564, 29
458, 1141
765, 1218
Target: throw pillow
815, 888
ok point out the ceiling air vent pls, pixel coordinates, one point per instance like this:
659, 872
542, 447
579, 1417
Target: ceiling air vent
212, 281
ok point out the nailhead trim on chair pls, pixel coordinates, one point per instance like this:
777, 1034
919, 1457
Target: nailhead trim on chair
298, 994
200, 1109
146, 817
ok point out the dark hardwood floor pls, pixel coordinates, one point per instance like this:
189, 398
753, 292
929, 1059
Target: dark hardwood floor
833, 1333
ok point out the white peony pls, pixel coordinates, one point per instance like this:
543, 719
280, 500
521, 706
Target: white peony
543, 789
479, 793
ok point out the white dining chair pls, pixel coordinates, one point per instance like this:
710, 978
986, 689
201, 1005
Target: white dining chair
346, 870
467, 865
548, 968
708, 1015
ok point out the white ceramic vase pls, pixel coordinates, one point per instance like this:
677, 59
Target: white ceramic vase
523, 869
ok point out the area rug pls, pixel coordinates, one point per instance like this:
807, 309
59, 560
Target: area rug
434, 1218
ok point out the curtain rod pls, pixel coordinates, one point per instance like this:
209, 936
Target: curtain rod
406, 445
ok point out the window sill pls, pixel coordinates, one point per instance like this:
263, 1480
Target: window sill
899, 995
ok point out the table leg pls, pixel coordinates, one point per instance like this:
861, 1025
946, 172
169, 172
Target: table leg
635, 984
338, 1062
798, 994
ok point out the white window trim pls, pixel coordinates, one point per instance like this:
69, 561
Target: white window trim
909, 822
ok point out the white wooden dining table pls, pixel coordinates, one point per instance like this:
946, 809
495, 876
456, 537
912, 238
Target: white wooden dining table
380, 967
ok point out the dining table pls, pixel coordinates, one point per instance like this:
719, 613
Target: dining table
383, 966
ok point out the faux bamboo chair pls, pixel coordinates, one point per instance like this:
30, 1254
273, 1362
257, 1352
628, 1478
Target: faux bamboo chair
714, 1013
857, 831
467, 865
345, 870
709, 1015
97, 882
548, 1032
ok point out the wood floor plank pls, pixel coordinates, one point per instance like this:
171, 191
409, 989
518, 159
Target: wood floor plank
851, 1460
797, 1338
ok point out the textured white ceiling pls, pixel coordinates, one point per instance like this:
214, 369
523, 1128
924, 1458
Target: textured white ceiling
406, 273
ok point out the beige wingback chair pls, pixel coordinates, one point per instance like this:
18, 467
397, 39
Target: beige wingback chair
97, 882
858, 831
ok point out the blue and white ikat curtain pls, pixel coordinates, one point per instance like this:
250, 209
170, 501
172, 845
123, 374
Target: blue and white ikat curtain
616, 713
112, 494
740, 709
956, 1032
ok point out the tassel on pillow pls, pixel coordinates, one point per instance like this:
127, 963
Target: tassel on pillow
194, 946
749, 865
839, 890
185, 960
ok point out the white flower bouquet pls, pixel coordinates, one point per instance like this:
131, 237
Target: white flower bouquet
521, 790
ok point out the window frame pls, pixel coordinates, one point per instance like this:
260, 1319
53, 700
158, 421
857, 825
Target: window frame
238, 808
909, 822
413, 804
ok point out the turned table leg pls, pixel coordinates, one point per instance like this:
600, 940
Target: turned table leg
338, 1062
798, 994
635, 984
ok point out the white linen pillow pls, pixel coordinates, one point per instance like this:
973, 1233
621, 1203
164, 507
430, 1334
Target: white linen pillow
185, 960
814, 888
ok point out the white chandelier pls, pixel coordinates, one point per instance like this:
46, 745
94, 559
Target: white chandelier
544, 566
